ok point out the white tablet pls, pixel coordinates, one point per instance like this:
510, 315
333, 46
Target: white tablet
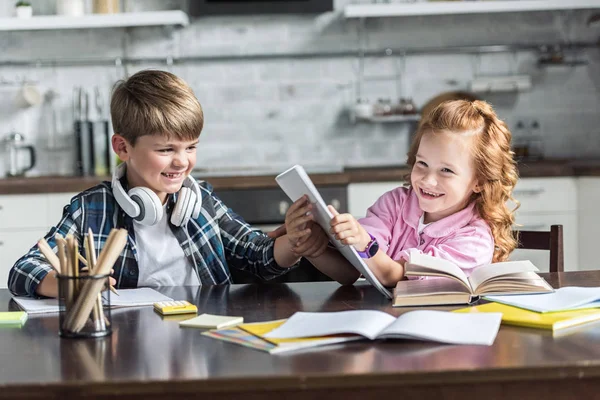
296, 183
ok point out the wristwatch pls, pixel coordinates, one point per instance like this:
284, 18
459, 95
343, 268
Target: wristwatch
371, 249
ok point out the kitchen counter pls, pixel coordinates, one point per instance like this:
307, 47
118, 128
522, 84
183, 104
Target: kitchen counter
64, 184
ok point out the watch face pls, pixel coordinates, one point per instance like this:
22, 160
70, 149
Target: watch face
373, 249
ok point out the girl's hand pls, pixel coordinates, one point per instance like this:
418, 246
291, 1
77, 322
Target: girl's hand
348, 231
306, 237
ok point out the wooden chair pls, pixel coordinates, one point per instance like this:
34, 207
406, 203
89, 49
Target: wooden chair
545, 240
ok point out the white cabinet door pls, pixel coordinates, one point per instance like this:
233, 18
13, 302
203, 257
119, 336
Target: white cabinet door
56, 204
546, 195
13, 245
23, 211
363, 195
541, 258
589, 222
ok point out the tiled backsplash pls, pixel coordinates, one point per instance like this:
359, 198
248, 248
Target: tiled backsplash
286, 110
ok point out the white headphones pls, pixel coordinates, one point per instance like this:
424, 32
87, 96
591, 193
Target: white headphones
144, 206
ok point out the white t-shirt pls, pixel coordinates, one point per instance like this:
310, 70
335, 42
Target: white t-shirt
422, 224
161, 261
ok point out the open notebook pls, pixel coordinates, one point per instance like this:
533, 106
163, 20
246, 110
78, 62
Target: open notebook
126, 298
296, 183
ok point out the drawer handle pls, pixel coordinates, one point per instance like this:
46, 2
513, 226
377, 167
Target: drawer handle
336, 204
283, 207
528, 192
1, 243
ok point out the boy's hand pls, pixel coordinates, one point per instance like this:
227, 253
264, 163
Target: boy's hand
306, 238
280, 231
314, 244
348, 231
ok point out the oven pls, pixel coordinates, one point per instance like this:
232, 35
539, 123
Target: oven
265, 209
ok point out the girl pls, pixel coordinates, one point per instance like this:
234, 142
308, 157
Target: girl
462, 174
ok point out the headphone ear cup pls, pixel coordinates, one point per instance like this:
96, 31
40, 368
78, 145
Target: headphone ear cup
180, 210
190, 207
197, 204
151, 209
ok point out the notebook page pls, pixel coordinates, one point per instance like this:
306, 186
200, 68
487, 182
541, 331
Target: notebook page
37, 306
445, 327
565, 298
135, 297
367, 323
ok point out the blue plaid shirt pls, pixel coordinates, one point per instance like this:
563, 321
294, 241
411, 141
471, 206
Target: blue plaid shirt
216, 240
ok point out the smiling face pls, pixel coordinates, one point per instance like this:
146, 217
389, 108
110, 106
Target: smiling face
443, 176
157, 162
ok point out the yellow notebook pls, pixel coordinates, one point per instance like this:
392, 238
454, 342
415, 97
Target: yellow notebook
531, 319
12, 318
252, 335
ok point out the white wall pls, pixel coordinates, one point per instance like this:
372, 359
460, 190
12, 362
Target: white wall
280, 111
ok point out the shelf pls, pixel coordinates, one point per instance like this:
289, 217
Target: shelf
391, 118
464, 7
90, 21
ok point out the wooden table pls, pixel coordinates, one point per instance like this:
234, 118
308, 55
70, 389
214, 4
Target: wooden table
147, 357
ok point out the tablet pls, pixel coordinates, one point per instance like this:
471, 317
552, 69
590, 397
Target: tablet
296, 183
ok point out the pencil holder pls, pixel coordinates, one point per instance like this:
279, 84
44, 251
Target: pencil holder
84, 306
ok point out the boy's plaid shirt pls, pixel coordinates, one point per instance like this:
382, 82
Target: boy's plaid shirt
216, 240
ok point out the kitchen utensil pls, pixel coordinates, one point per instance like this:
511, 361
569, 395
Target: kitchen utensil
14, 144
101, 137
27, 96
82, 126
508, 83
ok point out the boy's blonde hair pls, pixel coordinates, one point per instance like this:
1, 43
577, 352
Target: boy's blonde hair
495, 167
155, 102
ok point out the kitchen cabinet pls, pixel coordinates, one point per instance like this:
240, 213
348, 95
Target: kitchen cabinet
89, 21
361, 196
589, 222
396, 9
544, 202
24, 219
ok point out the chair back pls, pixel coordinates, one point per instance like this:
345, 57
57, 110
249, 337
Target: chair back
545, 240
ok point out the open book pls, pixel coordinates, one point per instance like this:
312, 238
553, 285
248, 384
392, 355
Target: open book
305, 330
510, 277
296, 183
429, 325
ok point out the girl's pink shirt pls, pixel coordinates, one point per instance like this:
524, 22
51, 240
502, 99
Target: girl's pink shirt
463, 237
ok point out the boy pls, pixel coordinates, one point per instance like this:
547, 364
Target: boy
179, 232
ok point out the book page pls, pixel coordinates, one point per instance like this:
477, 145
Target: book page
37, 306
445, 327
563, 299
482, 274
425, 265
520, 283
435, 291
429, 287
135, 297
367, 323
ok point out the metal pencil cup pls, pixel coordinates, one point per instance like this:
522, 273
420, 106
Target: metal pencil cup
84, 306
